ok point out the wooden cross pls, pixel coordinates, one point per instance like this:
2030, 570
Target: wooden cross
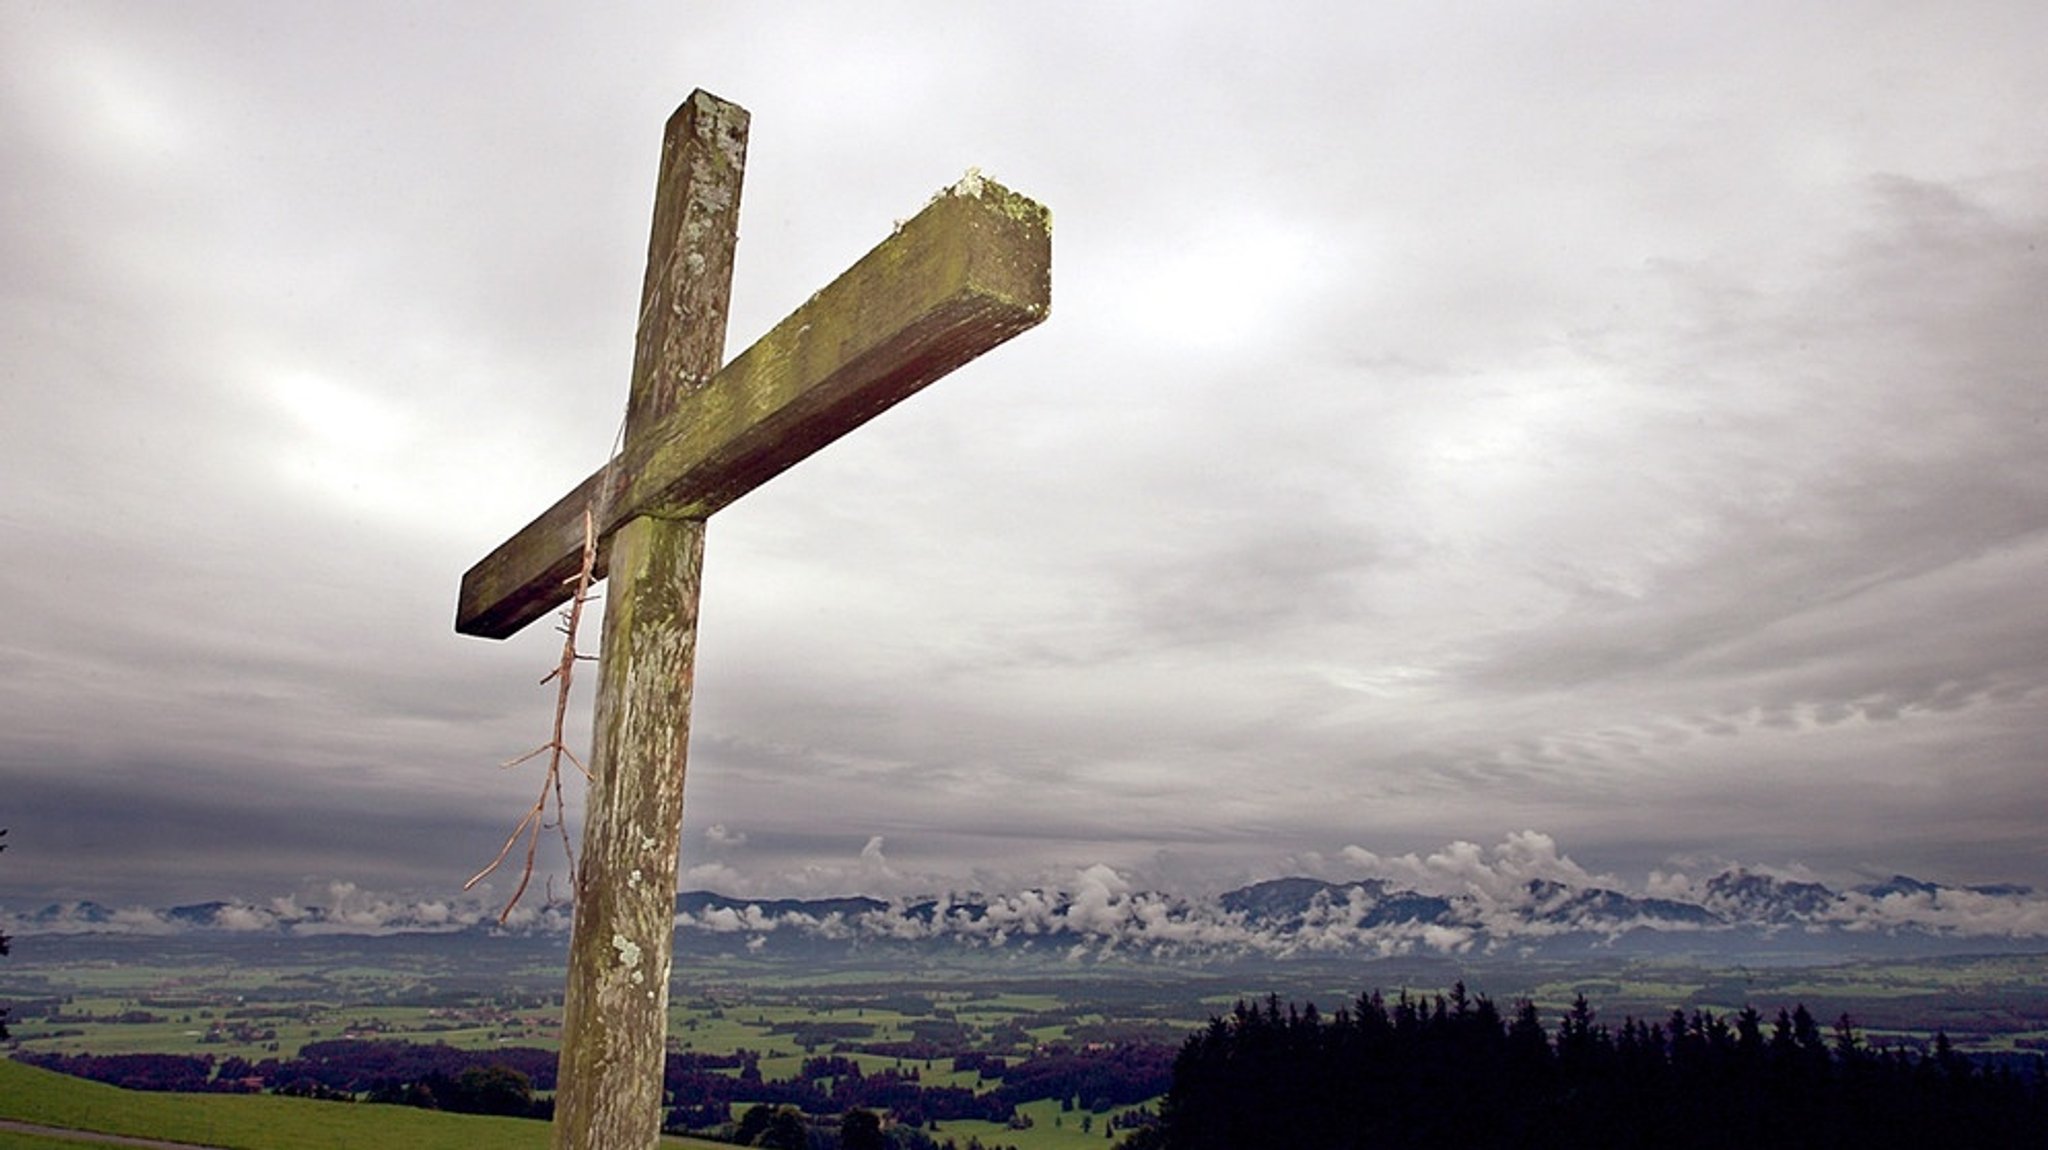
968, 272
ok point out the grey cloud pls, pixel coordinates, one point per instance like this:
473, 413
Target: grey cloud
1883, 446
78, 828
1445, 421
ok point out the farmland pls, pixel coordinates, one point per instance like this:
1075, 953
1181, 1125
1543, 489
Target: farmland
961, 1023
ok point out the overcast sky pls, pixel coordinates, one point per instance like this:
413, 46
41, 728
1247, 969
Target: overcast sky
1618, 422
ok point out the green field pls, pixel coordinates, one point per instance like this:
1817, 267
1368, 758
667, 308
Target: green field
249, 1121
1050, 1130
10, 1140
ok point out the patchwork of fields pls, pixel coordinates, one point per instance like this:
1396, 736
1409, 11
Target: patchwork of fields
270, 1000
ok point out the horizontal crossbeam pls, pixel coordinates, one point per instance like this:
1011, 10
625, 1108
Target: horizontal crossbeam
972, 270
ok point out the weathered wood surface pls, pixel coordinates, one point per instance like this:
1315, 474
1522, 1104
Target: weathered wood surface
972, 270
615, 1010
967, 273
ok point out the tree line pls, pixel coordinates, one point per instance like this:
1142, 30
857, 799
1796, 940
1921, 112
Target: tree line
5, 943
1453, 1071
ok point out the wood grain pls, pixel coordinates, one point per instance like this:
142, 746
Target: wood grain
970, 271
615, 1007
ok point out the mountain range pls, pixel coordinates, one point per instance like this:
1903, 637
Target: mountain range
1737, 913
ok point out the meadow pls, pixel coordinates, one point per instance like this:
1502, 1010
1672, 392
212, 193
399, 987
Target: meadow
247, 1121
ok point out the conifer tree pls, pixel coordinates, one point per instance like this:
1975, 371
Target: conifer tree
4, 941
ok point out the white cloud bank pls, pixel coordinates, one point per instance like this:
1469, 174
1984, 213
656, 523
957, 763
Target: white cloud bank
1462, 899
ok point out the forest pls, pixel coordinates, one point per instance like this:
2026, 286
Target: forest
1453, 1071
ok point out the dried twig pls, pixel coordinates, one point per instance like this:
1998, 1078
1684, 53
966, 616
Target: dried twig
536, 819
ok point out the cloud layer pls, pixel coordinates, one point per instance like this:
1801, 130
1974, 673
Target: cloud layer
1520, 897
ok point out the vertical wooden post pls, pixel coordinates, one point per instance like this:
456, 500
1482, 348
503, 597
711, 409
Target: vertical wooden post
615, 1021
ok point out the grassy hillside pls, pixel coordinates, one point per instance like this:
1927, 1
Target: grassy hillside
9, 1140
250, 1121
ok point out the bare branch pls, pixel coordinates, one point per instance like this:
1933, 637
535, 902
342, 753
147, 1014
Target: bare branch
555, 749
